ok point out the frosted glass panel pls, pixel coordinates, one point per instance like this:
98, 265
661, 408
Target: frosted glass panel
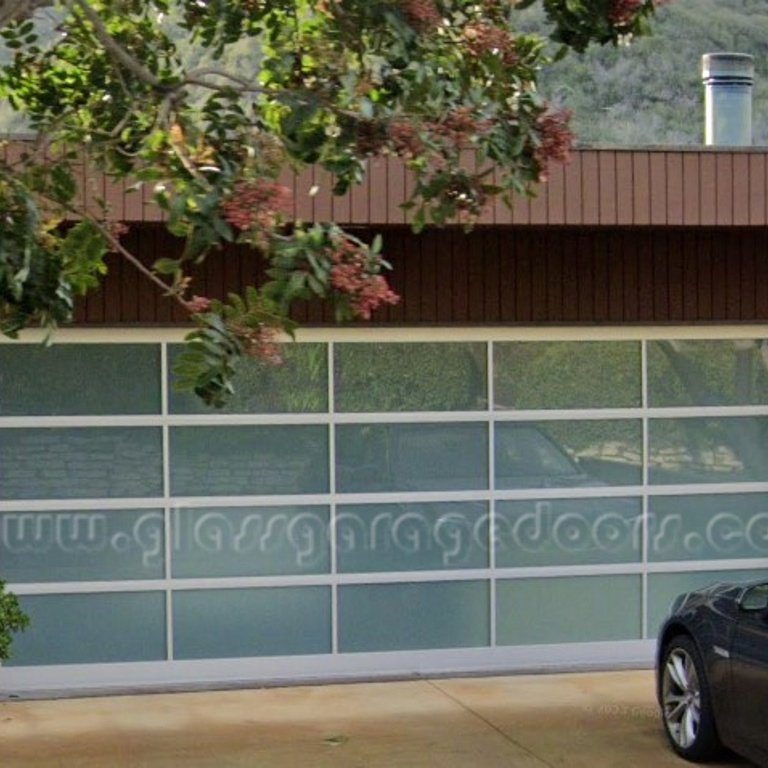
716, 450
663, 588
298, 385
90, 462
92, 629
392, 617
77, 545
568, 454
568, 532
411, 537
568, 610
241, 461
715, 527
567, 374
714, 372
411, 457
250, 541
410, 377
231, 623
74, 379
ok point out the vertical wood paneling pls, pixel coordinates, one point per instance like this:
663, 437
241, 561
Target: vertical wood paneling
625, 188
658, 176
747, 287
761, 274
675, 275
641, 174
555, 287
507, 276
395, 193
645, 253
725, 197
757, 188
690, 278
539, 281
573, 190
608, 196
719, 279
691, 196
590, 188
303, 202
674, 172
708, 189
377, 190
323, 198
741, 189
554, 190
659, 281
616, 261
601, 273
631, 289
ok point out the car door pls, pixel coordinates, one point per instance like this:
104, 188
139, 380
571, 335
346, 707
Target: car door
749, 669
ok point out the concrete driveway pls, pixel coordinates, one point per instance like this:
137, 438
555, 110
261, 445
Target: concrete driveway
585, 720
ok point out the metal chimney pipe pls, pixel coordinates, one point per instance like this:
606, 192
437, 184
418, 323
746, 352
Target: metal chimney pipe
728, 79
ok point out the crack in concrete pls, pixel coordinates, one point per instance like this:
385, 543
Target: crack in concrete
489, 723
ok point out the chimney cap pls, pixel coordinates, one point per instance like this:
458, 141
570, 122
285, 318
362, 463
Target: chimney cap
728, 68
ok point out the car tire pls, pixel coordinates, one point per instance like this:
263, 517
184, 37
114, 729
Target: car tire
686, 703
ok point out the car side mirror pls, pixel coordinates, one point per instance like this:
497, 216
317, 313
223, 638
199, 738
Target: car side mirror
755, 599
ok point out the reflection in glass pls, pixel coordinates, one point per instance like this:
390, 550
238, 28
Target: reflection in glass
715, 450
714, 527
76, 545
568, 454
411, 457
75, 379
568, 532
233, 623
92, 629
577, 609
567, 374
250, 541
87, 462
249, 460
410, 377
411, 537
298, 385
711, 372
399, 617
663, 588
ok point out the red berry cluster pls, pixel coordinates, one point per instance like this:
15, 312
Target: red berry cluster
459, 126
257, 204
198, 304
483, 39
621, 11
260, 342
405, 139
355, 273
555, 140
422, 15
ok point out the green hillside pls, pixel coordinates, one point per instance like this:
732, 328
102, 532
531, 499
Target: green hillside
649, 93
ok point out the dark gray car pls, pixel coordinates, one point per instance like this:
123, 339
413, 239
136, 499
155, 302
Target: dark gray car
712, 672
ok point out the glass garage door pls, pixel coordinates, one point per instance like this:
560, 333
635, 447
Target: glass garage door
372, 505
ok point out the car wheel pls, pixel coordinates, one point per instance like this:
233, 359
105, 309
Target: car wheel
686, 705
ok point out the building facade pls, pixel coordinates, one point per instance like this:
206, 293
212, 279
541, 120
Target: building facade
562, 425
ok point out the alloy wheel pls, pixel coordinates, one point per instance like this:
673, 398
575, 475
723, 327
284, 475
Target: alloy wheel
681, 698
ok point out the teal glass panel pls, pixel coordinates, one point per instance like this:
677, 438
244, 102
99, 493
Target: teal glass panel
101, 628
711, 372
86, 462
249, 460
238, 623
297, 385
411, 457
77, 379
250, 541
712, 527
577, 609
663, 588
567, 374
403, 617
77, 545
568, 454
410, 377
568, 532
411, 537
708, 450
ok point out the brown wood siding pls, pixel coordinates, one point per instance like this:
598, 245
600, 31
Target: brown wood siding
501, 275
599, 187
